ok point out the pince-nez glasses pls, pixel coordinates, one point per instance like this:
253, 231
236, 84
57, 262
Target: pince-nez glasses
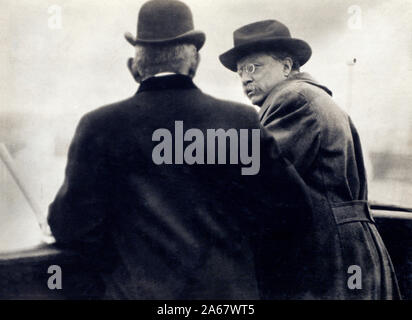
249, 68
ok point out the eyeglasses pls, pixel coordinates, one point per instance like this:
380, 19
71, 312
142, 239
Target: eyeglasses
249, 68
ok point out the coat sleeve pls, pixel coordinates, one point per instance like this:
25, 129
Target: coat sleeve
281, 192
79, 210
296, 128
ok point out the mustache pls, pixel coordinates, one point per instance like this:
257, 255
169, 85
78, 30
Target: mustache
249, 87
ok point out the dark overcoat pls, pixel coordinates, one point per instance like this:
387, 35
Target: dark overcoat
170, 231
320, 140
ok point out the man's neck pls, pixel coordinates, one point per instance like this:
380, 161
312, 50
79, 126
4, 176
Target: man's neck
167, 82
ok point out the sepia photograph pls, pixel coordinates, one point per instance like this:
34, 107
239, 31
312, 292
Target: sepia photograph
206, 150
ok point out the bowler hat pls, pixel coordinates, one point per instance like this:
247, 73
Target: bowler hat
166, 21
262, 36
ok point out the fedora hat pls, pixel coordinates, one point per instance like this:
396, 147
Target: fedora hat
262, 36
166, 21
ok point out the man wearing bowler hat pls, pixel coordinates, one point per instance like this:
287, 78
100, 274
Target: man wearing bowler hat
170, 230
341, 256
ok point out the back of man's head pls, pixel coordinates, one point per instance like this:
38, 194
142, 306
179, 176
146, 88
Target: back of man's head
151, 59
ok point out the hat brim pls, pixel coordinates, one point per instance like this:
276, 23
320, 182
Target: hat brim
195, 37
299, 50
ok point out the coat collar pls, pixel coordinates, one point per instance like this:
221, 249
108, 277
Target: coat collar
168, 82
298, 77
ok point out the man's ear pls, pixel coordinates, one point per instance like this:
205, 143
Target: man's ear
287, 66
136, 75
194, 66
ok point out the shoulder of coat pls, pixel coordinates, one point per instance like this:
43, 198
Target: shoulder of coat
105, 116
326, 111
317, 103
288, 96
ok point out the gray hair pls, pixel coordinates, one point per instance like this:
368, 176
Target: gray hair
282, 55
156, 58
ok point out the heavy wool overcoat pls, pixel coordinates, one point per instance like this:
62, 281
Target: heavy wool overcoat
341, 240
168, 231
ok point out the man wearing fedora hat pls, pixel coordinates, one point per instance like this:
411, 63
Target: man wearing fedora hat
320, 140
170, 230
